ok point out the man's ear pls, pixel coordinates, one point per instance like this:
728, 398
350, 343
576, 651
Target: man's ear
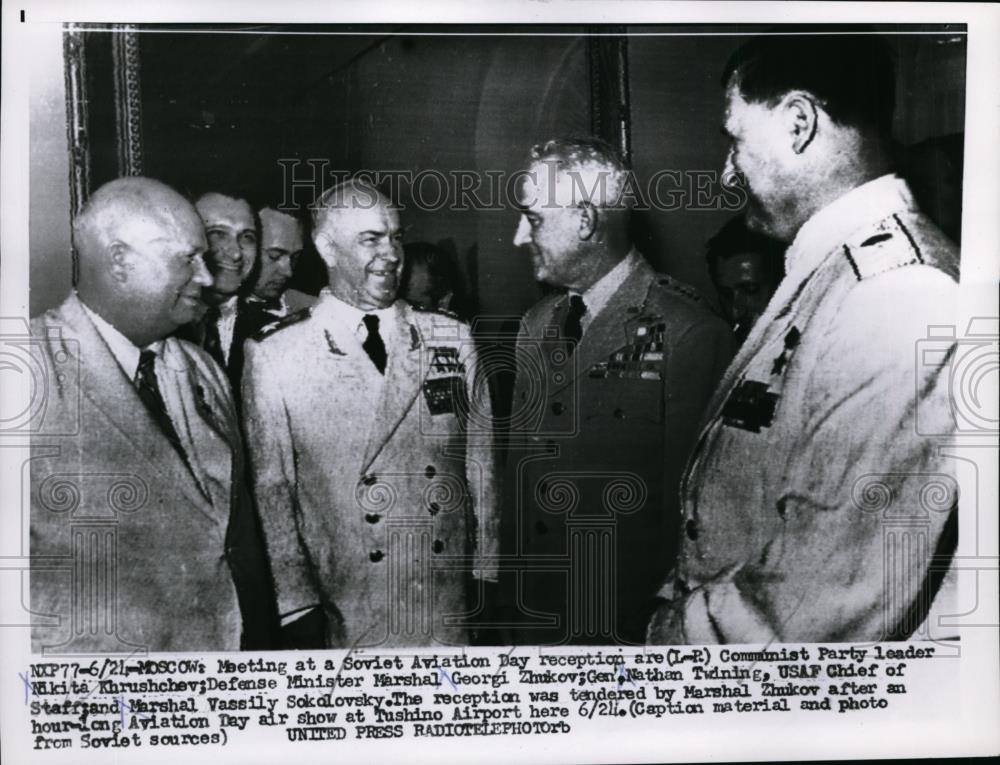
802, 117
588, 221
325, 248
118, 254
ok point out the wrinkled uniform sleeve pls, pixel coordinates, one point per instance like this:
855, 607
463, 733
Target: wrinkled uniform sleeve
481, 465
865, 498
269, 442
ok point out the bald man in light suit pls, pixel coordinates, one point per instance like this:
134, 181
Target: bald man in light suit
374, 471
141, 534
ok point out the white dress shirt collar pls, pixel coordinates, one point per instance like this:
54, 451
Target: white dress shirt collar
351, 316
124, 351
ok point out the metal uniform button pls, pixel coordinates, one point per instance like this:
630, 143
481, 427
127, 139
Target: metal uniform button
438, 546
691, 529
430, 471
619, 414
372, 517
375, 556
558, 408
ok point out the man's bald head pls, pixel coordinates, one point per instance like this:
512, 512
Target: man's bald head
124, 205
350, 196
139, 245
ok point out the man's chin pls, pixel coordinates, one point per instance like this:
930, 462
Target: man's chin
759, 221
269, 294
188, 313
225, 284
220, 293
382, 299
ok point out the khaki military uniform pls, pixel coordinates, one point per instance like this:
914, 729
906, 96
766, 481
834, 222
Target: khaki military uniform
598, 443
817, 504
376, 495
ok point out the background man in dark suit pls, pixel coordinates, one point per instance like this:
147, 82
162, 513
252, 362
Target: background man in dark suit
231, 231
282, 242
141, 535
614, 370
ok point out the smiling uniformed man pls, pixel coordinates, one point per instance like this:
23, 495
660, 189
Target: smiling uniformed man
372, 448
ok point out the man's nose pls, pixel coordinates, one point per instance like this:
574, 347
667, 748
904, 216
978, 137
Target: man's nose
729, 170
230, 249
285, 267
202, 275
523, 233
390, 252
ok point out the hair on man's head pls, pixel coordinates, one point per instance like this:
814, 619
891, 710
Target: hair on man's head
851, 75
596, 161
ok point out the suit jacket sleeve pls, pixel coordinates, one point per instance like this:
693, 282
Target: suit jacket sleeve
270, 445
863, 487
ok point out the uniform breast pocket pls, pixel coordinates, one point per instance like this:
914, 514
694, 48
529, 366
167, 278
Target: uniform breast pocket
445, 395
625, 400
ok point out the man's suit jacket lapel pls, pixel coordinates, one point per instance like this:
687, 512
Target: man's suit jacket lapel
609, 329
105, 385
403, 378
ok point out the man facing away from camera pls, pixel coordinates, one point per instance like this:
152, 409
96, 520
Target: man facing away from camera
142, 535
613, 373
817, 506
373, 472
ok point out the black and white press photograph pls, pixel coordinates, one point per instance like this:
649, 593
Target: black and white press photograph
579, 369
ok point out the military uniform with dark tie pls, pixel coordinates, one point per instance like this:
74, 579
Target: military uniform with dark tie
610, 387
374, 471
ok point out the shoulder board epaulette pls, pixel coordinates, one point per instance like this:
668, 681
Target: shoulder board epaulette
888, 246
437, 311
285, 321
678, 287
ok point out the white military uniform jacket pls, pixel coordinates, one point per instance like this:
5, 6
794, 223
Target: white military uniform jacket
818, 506
376, 495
